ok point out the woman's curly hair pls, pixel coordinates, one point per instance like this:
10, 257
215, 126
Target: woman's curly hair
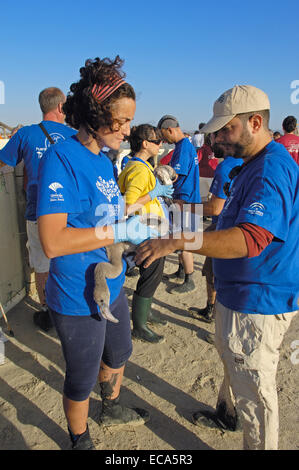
81, 108
140, 133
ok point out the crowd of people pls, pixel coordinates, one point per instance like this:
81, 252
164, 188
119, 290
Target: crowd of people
244, 179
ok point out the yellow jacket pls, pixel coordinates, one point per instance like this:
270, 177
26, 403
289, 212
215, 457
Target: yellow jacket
136, 180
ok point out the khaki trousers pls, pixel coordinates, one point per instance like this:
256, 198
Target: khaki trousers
248, 345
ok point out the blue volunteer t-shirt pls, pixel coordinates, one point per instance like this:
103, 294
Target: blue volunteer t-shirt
29, 144
124, 161
221, 176
185, 162
75, 181
265, 193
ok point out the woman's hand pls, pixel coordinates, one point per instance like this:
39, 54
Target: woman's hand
161, 190
133, 230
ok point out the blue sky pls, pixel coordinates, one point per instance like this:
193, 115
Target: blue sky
179, 55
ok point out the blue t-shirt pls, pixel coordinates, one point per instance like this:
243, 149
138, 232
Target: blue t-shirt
124, 161
75, 181
185, 162
29, 144
221, 176
265, 193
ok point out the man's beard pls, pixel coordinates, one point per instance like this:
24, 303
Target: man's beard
218, 150
237, 150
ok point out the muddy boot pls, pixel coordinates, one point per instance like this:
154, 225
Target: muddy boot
114, 414
218, 419
187, 286
81, 441
206, 314
179, 274
140, 313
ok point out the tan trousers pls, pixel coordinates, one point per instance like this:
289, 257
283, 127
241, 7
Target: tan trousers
249, 348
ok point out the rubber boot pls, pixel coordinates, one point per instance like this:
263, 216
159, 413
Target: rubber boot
179, 274
81, 441
218, 419
206, 314
113, 413
140, 313
187, 286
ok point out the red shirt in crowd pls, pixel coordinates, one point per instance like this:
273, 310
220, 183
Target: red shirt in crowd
207, 161
291, 143
166, 159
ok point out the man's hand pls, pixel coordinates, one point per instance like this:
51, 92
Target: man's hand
151, 250
226, 244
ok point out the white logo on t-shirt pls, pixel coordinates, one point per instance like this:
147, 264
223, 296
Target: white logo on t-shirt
256, 208
56, 196
108, 188
55, 186
55, 137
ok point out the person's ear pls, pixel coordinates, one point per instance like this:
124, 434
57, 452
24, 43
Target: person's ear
60, 105
256, 123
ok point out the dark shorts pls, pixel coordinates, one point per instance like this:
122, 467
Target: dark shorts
86, 340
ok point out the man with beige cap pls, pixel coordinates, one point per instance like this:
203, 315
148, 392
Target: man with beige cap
255, 255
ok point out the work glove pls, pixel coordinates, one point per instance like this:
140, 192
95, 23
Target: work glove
161, 190
133, 230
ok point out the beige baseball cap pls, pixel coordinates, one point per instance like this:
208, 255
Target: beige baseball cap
236, 100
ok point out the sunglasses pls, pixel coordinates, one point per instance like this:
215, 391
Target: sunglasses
233, 173
157, 142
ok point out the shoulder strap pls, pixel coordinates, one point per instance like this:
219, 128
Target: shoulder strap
136, 159
46, 133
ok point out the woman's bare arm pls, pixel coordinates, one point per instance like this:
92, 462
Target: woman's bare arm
58, 240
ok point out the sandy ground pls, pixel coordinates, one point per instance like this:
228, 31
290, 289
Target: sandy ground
171, 380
